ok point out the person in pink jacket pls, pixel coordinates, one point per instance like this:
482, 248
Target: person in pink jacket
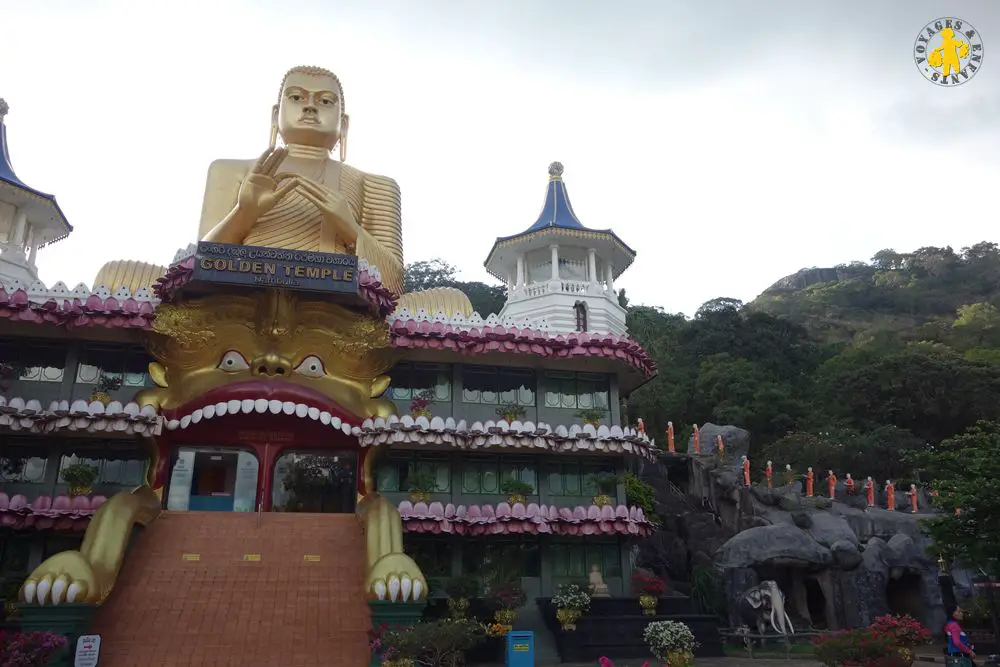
958, 641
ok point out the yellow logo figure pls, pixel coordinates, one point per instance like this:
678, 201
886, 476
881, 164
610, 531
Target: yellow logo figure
948, 51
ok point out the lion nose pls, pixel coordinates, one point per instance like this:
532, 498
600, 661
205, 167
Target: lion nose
271, 365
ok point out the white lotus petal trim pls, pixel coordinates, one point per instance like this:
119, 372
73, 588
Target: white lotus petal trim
18, 414
460, 322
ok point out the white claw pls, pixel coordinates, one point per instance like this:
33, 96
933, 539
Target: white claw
379, 588
393, 588
406, 587
59, 589
29, 592
44, 586
73, 592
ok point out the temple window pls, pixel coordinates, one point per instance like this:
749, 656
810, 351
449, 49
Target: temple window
485, 475
431, 554
322, 482
20, 464
573, 560
99, 361
32, 362
576, 479
580, 308
117, 464
210, 479
494, 560
488, 385
409, 380
394, 471
579, 391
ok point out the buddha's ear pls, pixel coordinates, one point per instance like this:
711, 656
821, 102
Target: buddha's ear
379, 385
158, 374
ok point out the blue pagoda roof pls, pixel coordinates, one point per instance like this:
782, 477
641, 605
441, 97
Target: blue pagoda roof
558, 219
557, 211
9, 177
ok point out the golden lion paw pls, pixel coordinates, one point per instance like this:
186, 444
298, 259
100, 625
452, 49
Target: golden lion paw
397, 578
65, 577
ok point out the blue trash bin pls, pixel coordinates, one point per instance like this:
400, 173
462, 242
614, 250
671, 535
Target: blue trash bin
520, 649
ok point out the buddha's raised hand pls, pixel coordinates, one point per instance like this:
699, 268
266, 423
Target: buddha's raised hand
260, 192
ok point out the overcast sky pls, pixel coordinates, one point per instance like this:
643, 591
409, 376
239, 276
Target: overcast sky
729, 143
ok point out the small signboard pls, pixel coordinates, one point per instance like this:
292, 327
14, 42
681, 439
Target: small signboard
190, 557
253, 266
88, 650
252, 558
520, 648
310, 558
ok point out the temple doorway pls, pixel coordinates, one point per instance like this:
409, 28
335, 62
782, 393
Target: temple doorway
315, 481
213, 479
815, 603
903, 594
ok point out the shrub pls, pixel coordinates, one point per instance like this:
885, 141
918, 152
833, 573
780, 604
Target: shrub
904, 630
508, 596
644, 583
29, 649
435, 644
571, 596
862, 647
462, 587
666, 637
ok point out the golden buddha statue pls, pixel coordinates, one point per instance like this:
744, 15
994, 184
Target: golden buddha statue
295, 197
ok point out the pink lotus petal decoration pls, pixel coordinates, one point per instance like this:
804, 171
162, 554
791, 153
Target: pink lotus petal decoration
523, 519
45, 512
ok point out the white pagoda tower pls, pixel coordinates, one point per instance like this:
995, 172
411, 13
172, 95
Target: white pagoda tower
29, 219
561, 272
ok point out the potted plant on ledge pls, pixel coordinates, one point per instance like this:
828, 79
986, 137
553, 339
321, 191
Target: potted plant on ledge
507, 598
649, 587
606, 485
672, 642
571, 601
460, 590
592, 416
420, 406
511, 412
80, 478
105, 385
421, 484
516, 490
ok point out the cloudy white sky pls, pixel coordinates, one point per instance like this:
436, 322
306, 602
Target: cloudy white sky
730, 143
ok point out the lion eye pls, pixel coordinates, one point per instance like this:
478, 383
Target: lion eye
233, 361
311, 366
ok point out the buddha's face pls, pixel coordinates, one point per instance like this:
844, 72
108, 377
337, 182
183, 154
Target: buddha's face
310, 111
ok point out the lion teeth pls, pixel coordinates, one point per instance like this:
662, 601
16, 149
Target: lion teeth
259, 406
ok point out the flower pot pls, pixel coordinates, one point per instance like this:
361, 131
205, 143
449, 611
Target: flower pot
906, 653
680, 659
602, 500
457, 607
568, 617
505, 616
100, 396
419, 496
514, 498
420, 413
648, 604
596, 423
75, 491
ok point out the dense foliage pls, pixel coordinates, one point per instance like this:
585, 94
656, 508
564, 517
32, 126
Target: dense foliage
29, 649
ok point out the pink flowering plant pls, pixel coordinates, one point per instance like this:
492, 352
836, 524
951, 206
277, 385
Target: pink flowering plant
862, 647
904, 630
29, 649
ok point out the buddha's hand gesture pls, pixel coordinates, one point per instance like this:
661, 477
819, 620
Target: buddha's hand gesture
333, 206
260, 192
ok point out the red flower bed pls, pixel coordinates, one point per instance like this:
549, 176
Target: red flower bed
29, 649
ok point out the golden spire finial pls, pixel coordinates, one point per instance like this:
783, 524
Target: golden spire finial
4, 108
555, 170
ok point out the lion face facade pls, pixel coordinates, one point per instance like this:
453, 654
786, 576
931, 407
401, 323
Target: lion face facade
267, 353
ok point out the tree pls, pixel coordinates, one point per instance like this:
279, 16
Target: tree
978, 322
720, 304
966, 475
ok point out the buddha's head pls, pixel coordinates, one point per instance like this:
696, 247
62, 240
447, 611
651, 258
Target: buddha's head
310, 108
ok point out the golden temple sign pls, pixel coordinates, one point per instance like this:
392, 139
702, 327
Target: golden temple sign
275, 267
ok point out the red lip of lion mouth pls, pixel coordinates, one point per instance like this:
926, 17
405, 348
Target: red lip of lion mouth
258, 397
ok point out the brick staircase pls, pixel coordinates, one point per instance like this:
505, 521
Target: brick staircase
215, 588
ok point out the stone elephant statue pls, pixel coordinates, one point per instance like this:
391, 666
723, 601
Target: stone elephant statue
763, 605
